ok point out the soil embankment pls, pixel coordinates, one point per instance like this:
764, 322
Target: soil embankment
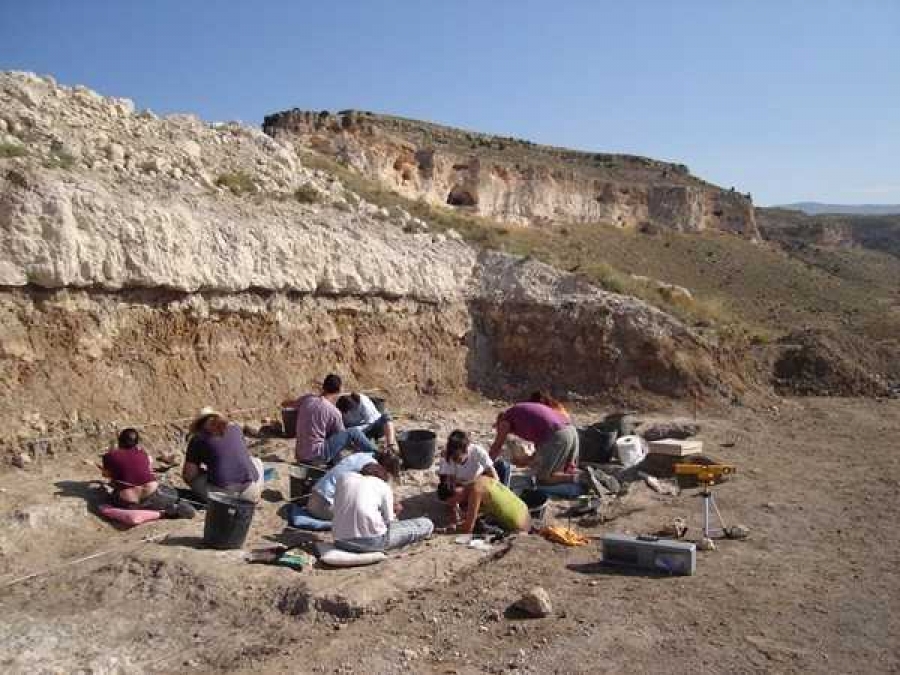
149, 266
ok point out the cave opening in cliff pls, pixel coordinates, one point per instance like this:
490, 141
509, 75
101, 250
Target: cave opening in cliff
460, 197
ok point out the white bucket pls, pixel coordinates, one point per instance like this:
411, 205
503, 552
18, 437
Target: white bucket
631, 450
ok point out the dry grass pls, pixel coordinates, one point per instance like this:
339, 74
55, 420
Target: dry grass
753, 291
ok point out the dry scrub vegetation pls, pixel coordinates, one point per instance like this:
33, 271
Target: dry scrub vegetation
756, 291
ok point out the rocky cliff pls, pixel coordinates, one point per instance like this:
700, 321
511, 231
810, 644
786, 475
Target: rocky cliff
151, 266
516, 181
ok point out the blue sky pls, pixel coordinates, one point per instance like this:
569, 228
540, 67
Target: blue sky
788, 100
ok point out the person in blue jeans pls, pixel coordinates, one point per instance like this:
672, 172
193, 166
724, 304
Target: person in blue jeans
321, 435
365, 514
358, 410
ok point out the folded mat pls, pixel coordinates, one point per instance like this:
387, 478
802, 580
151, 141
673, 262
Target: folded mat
128, 516
300, 518
335, 557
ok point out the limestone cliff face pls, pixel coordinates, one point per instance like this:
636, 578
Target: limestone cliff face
149, 266
515, 181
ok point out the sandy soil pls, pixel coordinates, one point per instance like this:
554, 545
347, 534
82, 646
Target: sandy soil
814, 588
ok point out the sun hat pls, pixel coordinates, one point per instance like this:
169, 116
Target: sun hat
205, 413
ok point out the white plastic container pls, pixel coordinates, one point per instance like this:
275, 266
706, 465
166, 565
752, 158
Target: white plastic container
631, 450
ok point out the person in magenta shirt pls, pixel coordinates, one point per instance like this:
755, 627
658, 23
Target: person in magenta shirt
133, 482
555, 441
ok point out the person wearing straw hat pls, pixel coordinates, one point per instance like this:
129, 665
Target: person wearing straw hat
217, 459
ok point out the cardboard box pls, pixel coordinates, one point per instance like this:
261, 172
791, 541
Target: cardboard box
672, 447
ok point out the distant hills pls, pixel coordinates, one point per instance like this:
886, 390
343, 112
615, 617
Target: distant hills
816, 208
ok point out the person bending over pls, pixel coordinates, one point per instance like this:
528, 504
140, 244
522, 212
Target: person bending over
321, 499
321, 435
133, 482
217, 459
462, 463
491, 498
546, 399
358, 410
364, 514
555, 460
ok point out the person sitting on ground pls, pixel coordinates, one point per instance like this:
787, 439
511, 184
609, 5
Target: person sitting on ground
364, 514
321, 498
358, 410
462, 463
217, 459
490, 498
133, 482
321, 435
546, 399
555, 460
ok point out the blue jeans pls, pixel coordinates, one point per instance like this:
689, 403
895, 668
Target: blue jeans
400, 533
564, 490
504, 470
337, 442
375, 430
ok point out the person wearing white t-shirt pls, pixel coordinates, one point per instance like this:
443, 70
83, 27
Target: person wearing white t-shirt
364, 514
462, 463
358, 411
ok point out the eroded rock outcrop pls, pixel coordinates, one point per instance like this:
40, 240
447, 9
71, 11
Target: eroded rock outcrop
150, 266
516, 181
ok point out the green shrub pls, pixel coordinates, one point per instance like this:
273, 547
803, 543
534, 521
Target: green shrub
238, 183
10, 150
307, 194
59, 159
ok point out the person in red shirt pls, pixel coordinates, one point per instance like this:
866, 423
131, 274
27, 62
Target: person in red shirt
133, 482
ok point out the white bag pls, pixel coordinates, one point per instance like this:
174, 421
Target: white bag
631, 450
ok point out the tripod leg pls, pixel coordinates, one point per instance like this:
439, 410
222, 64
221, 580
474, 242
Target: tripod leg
706, 499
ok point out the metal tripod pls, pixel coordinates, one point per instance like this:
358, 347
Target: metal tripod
709, 504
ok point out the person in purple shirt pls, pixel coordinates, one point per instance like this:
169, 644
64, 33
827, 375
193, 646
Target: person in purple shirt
217, 459
320, 428
555, 439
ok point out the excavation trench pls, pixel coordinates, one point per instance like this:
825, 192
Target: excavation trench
76, 362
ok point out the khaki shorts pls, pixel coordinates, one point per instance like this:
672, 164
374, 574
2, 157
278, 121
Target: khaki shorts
556, 453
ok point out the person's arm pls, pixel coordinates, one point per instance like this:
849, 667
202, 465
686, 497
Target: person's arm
476, 494
487, 466
192, 461
387, 504
103, 466
502, 432
189, 472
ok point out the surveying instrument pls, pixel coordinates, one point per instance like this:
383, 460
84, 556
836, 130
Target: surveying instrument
706, 476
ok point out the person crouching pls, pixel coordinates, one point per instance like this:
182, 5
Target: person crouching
217, 459
133, 482
364, 514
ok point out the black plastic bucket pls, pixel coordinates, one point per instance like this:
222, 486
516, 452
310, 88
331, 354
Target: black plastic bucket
302, 480
596, 445
417, 448
621, 422
289, 422
227, 520
536, 501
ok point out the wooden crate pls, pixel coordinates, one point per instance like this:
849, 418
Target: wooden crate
672, 447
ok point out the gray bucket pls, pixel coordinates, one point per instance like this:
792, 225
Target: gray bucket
417, 448
227, 521
289, 422
302, 479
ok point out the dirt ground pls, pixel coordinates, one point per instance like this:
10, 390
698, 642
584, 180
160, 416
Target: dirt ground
814, 589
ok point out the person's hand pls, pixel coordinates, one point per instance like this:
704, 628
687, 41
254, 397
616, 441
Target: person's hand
398, 507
